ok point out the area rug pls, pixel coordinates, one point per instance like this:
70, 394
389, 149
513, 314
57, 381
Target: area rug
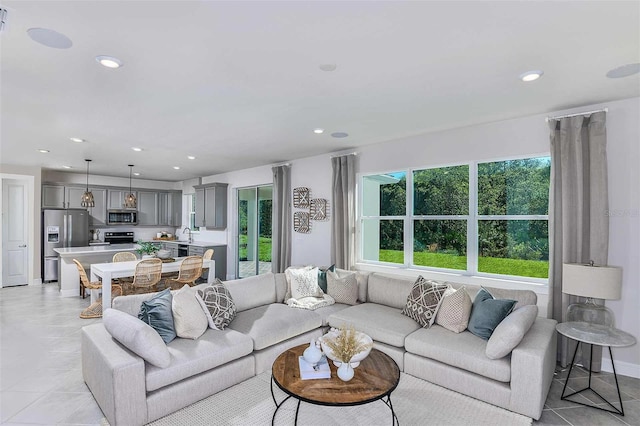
415, 402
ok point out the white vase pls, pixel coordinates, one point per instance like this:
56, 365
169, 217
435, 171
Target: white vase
312, 354
345, 372
148, 256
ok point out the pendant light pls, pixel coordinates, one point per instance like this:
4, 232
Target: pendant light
87, 197
130, 201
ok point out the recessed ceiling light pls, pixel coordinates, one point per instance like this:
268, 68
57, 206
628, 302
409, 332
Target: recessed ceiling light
49, 38
191, 157
77, 140
66, 167
531, 75
327, 67
136, 149
109, 61
136, 174
624, 71
44, 151
339, 135
176, 167
318, 131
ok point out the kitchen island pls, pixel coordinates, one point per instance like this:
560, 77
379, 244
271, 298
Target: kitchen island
68, 279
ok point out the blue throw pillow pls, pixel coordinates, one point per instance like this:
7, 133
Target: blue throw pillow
487, 313
157, 313
322, 277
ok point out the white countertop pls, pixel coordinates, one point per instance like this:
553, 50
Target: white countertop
113, 248
187, 243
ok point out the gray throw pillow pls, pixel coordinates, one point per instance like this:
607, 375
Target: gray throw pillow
157, 313
455, 309
137, 336
343, 287
487, 313
423, 301
510, 331
220, 306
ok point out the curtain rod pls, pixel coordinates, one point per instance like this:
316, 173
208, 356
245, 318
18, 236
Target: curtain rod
576, 114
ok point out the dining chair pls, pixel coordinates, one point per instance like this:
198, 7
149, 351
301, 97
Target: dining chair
147, 275
190, 271
208, 255
95, 309
125, 282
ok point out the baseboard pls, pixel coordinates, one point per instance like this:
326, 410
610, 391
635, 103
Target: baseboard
69, 293
36, 281
622, 368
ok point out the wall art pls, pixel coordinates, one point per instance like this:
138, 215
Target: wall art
301, 222
301, 197
319, 209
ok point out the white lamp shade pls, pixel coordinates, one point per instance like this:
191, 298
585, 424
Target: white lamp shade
598, 282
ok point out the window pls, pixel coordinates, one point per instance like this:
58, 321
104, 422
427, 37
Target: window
480, 218
191, 205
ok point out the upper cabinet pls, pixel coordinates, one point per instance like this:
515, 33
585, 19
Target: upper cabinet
98, 213
73, 196
170, 208
147, 208
211, 205
70, 197
116, 199
53, 197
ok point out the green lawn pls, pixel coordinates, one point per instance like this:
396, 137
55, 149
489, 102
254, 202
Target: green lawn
264, 248
517, 267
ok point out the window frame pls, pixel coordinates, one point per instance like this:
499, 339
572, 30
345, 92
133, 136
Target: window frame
472, 219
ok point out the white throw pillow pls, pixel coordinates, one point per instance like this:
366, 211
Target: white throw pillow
303, 282
510, 331
343, 287
137, 336
454, 310
189, 319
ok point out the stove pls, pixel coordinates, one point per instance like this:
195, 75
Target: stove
119, 237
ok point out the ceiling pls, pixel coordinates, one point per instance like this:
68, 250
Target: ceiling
239, 84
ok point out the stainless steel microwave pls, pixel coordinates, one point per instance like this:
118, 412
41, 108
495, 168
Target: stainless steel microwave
122, 217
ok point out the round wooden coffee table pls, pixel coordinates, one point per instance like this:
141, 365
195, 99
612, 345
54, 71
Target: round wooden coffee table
375, 378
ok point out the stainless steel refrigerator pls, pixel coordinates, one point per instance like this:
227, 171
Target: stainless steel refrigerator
61, 228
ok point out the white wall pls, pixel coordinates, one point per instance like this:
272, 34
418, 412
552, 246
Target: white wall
55, 176
511, 138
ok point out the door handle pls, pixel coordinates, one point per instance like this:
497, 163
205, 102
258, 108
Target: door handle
22, 245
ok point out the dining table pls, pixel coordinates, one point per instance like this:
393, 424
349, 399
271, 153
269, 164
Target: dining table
112, 270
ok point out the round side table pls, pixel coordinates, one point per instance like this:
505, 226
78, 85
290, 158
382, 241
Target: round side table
594, 334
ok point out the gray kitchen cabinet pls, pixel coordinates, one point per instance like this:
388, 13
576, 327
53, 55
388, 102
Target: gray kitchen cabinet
53, 196
147, 208
163, 208
219, 255
170, 208
211, 205
98, 213
173, 248
73, 196
116, 199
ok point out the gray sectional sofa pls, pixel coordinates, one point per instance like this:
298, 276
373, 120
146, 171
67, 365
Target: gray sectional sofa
131, 391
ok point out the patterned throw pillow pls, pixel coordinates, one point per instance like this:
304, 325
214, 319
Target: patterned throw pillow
343, 287
423, 301
303, 282
454, 310
219, 305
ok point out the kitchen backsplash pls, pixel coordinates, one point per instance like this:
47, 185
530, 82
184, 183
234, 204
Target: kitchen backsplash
145, 234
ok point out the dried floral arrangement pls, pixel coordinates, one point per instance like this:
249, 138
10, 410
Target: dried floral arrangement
346, 344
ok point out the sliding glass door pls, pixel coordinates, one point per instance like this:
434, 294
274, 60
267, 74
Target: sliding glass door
254, 230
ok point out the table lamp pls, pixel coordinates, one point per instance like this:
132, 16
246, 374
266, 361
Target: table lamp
593, 282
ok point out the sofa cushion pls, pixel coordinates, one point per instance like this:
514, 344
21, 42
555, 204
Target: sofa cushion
383, 323
274, 323
326, 311
137, 336
454, 310
188, 317
522, 297
253, 291
390, 291
191, 357
158, 314
463, 350
510, 331
487, 313
423, 301
342, 286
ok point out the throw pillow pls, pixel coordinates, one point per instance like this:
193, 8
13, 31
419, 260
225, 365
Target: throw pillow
454, 310
157, 313
287, 294
188, 317
423, 301
137, 336
487, 313
219, 304
303, 282
322, 277
510, 331
343, 287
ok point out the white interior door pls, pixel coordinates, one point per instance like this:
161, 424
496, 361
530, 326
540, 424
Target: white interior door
15, 256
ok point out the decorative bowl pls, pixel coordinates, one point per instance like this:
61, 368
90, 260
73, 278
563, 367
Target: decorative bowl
355, 360
163, 254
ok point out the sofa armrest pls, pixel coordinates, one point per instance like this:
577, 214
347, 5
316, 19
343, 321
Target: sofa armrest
115, 376
533, 363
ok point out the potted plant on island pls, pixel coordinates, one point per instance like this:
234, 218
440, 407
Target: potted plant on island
146, 249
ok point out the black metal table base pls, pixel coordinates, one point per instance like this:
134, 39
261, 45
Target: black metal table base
566, 397
394, 418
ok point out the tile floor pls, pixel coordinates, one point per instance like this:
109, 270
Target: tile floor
41, 377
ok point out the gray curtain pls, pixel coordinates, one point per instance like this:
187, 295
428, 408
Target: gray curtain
578, 204
343, 251
281, 220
